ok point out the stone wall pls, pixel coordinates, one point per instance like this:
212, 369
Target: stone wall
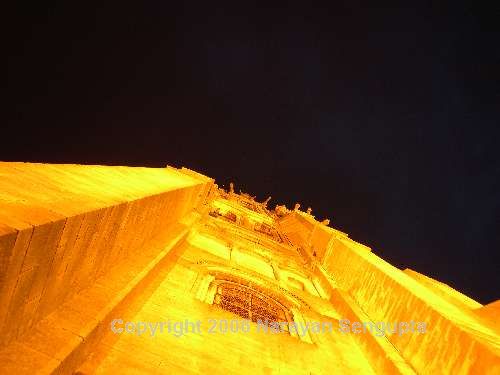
455, 340
63, 226
458, 338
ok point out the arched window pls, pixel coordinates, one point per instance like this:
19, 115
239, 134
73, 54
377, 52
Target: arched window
231, 216
251, 304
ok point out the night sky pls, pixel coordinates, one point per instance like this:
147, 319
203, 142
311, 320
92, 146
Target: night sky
385, 120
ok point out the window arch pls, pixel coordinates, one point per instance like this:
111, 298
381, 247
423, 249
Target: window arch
251, 304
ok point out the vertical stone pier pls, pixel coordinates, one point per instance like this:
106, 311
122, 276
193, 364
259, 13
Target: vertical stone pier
65, 227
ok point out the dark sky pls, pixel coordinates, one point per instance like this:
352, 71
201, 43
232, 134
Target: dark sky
384, 119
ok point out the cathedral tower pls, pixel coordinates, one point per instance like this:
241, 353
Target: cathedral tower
159, 270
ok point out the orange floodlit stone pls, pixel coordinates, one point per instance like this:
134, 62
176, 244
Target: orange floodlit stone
110, 270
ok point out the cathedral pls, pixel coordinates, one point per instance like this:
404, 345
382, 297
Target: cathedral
131, 270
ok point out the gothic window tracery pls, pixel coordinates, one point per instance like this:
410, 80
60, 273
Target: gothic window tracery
231, 216
215, 212
268, 231
249, 205
250, 304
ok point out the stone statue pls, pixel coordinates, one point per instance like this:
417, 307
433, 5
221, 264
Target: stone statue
281, 210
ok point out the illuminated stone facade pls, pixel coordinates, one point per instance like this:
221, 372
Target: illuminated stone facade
96, 259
